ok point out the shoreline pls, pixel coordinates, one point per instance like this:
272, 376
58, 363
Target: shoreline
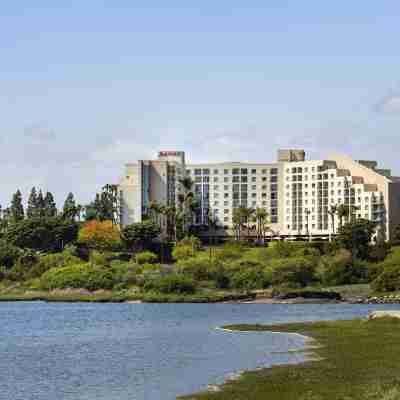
346, 359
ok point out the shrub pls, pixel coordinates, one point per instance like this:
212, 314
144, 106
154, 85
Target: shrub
9, 254
186, 248
146, 257
230, 251
292, 272
101, 235
336, 270
388, 280
196, 267
84, 276
249, 279
48, 261
99, 259
172, 283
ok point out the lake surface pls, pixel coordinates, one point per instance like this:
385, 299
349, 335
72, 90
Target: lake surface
141, 351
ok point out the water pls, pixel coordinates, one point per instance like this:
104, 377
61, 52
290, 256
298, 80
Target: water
141, 351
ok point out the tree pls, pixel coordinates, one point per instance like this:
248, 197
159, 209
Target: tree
140, 234
50, 208
100, 235
17, 209
186, 203
396, 235
32, 209
40, 204
260, 217
106, 206
342, 212
332, 213
42, 234
355, 236
70, 209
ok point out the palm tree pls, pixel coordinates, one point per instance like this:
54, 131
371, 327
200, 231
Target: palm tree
342, 212
186, 200
237, 220
260, 217
332, 212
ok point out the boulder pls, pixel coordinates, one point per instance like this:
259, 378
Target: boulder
384, 314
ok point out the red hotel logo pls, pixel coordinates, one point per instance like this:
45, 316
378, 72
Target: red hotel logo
169, 153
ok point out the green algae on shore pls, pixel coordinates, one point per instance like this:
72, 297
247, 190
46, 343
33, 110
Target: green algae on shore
349, 360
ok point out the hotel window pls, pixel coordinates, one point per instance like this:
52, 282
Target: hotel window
254, 187
264, 203
206, 171
226, 187
254, 203
215, 179
216, 187
235, 179
254, 195
226, 179
226, 195
197, 179
275, 178
216, 203
274, 171
216, 171
216, 195
253, 171
206, 179
226, 203
226, 219
244, 179
264, 179
226, 211
254, 179
244, 171
197, 171
235, 171
226, 171
264, 171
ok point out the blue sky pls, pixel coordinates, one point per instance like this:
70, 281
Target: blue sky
89, 85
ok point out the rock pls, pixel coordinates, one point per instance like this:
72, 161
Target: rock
384, 314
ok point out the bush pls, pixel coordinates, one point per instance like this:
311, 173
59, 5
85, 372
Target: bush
249, 279
337, 269
186, 248
84, 276
9, 254
230, 251
146, 257
101, 235
388, 280
172, 283
196, 267
48, 261
292, 272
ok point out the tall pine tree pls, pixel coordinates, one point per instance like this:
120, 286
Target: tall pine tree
50, 207
70, 209
32, 208
17, 209
40, 204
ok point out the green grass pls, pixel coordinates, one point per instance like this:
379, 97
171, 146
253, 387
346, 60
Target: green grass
359, 360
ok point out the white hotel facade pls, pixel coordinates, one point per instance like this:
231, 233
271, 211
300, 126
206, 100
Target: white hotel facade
297, 194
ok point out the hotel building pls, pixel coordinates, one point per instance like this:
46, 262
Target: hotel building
296, 193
